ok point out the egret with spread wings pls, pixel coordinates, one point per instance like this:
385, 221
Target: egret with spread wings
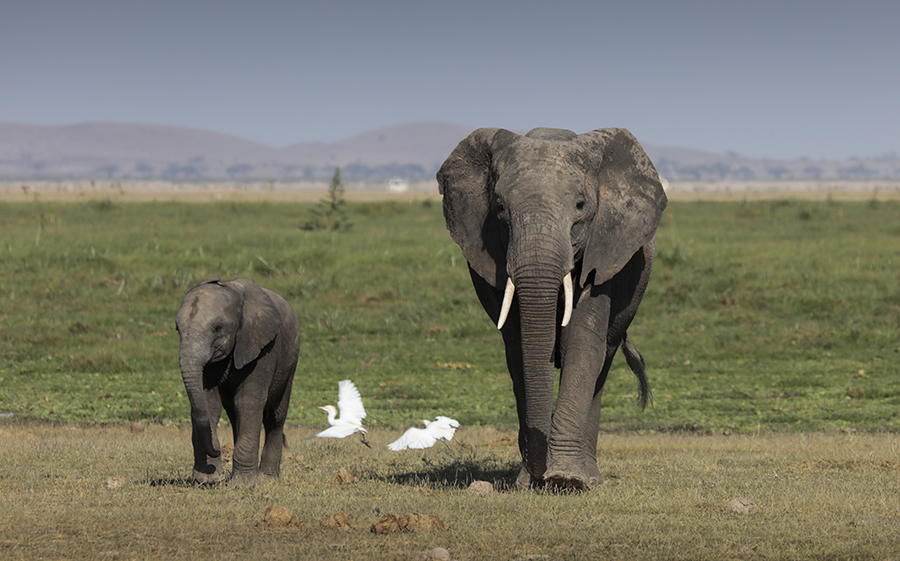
352, 413
442, 428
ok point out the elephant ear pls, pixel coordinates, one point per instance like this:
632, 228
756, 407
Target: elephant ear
465, 180
260, 321
631, 201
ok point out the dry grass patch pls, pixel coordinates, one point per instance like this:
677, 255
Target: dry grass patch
664, 497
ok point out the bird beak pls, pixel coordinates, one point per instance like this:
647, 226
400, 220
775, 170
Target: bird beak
323, 409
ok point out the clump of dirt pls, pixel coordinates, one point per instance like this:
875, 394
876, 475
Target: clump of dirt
279, 517
227, 453
343, 477
412, 522
337, 520
137, 428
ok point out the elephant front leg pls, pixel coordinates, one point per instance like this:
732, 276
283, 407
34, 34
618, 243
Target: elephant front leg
245, 414
572, 461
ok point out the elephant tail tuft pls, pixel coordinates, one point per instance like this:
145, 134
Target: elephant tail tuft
636, 363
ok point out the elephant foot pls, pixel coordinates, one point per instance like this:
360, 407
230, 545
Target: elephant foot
572, 476
566, 481
243, 480
269, 477
209, 472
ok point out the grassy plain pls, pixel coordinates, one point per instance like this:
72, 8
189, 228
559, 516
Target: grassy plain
776, 322
665, 496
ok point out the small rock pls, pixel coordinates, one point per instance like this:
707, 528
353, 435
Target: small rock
741, 506
481, 488
343, 477
336, 520
137, 428
438, 554
114, 482
279, 517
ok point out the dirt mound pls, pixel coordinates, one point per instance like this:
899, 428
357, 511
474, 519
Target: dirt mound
412, 522
337, 520
279, 517
343, 477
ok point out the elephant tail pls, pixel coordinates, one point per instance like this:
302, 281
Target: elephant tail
636, 363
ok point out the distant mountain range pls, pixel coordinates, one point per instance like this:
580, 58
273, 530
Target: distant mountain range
411, 151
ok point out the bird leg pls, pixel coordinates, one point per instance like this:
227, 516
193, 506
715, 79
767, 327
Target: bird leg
362, 438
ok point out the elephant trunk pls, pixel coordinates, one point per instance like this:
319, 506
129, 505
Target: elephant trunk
538, 315
192, 373
538, 263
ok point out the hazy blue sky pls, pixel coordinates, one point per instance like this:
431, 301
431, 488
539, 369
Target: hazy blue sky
780, 79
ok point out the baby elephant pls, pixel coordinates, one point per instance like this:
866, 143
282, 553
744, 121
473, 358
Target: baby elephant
239, 349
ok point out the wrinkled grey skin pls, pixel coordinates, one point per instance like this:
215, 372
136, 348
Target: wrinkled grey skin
535, 208
239, 349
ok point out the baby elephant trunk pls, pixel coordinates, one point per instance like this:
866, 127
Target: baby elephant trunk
192, 373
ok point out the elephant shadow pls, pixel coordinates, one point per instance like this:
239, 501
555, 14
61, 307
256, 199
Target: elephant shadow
456, 474
180, 482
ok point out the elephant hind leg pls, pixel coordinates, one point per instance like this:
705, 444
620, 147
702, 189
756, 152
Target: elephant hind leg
273, 424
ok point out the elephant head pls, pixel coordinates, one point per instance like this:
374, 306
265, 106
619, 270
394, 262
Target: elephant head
226, 323
532, 212
594, 198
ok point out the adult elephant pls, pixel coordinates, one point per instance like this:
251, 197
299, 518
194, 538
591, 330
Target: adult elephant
531, 213
239, 348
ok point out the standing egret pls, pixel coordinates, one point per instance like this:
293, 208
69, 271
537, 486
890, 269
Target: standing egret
442, 428
352, 413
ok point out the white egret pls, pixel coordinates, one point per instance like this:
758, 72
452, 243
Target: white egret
352, 413
442, 428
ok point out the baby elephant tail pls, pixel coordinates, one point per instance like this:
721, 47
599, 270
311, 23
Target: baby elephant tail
636, 363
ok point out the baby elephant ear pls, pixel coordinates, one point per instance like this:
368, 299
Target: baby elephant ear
260, 322
631, 201
465, 180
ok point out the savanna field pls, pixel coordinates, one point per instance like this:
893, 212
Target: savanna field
771, 332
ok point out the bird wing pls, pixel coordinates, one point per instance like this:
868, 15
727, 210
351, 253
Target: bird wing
340, 430
443, 427
350, 402
413, 438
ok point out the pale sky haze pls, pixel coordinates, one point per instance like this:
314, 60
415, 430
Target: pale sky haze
777, 79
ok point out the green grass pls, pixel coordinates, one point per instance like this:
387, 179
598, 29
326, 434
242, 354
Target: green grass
761, 316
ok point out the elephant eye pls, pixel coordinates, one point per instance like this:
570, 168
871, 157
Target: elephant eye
218, 328
579, 205
499, 208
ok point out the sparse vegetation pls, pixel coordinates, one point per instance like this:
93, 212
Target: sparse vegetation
331, 213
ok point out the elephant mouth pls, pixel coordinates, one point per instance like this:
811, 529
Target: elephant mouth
511, 290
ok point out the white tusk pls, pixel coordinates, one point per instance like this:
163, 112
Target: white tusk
507, 302
567, 289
